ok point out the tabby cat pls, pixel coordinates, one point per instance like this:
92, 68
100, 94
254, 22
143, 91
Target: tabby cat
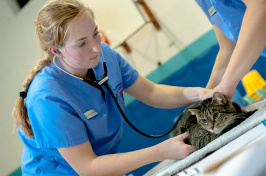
208, 119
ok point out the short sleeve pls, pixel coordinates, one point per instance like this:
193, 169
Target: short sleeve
54, 122
128, 73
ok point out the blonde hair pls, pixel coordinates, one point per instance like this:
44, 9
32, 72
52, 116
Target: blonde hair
50, 31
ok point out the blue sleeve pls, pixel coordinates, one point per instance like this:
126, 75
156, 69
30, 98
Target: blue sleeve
54, 122
128, 73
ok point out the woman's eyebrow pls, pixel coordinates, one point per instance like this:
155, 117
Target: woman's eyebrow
96, 29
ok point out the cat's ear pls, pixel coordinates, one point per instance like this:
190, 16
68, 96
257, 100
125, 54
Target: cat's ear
218, 99
195, 112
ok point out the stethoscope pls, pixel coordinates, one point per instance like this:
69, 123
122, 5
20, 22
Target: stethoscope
98, 83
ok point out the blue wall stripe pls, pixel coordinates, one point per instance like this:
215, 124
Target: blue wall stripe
16, 173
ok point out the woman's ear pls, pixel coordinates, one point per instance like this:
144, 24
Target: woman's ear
54, 50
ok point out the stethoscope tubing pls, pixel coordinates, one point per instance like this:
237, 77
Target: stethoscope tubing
103, 82
130, 124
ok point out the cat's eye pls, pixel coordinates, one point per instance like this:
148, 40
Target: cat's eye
215, 115
204, 120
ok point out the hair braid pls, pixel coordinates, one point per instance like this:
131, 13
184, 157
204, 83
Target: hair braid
20, 111
50, 31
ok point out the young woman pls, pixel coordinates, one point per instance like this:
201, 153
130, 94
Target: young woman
240, 27
71, 126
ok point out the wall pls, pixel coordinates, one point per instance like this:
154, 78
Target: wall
182, 23
7, 12
18, 51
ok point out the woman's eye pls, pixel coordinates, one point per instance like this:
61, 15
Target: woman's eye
215, 115
96, 33
82, 44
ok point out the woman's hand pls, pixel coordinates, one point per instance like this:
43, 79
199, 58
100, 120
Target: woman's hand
225, 89
205, 93
175, 148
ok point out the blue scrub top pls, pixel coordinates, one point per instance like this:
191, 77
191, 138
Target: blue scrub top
65, 111
228, 17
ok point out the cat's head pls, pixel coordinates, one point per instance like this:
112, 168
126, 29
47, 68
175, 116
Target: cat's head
215, 114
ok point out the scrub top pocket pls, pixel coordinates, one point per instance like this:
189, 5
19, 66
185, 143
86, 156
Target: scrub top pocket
54, 168
118, 91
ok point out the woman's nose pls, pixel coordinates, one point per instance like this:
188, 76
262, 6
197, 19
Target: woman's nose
95, 48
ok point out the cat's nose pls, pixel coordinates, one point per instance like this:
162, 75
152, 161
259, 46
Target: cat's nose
211, 127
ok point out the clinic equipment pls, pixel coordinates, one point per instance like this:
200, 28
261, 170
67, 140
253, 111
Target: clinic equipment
103, 82
255, 86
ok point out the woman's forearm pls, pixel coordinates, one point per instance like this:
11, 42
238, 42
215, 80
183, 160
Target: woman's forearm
250, 44
173, 97
164, 96
119, 164
226, 48
84, 161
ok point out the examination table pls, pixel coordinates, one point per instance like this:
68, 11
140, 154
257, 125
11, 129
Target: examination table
239, 152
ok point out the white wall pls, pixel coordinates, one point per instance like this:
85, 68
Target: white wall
18, 52
6, 12
182, 23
